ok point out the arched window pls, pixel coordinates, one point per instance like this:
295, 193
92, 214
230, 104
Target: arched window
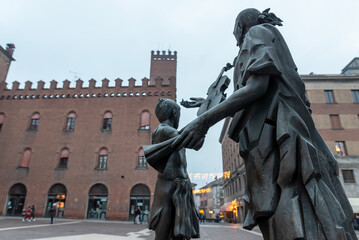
141, 160
64, 158
70, 122
145, 120
107, 121
102, 159
25, 161
2, 116
34, 121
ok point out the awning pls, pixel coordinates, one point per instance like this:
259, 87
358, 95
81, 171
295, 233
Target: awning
223, 207
227, 207
355, 204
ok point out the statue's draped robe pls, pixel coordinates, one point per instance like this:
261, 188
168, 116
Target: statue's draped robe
293, 189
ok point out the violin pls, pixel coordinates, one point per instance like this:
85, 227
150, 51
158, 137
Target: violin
215, 93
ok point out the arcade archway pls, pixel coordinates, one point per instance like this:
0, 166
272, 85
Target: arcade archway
140, 197
97, 203
16, 200
56, 197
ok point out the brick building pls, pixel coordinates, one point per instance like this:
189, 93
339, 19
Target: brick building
335, 109
80, 148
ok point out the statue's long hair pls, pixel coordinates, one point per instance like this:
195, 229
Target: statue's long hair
271, 18
250, 17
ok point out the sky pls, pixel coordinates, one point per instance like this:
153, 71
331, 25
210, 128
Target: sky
63, 39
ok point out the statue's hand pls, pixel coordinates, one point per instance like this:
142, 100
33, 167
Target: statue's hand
192, 136
196, 102
227, 67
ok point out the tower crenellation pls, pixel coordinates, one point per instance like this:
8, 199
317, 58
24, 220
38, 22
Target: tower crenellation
28, 85
66, 84
40, 85
53, 85
160, 88
162, 82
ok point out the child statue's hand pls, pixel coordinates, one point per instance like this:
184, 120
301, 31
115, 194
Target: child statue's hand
192, 136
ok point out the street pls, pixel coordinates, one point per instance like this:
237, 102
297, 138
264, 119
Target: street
66, 229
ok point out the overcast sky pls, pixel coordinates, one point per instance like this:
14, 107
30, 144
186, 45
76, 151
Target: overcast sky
114, 38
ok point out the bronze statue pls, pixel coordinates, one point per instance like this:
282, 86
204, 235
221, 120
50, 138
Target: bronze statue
173, 212
293, 189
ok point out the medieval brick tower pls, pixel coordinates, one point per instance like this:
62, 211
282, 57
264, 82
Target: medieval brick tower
80, 148
5, 60
163, 65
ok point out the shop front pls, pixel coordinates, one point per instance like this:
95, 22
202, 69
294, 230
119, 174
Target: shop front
140, 197
16, 200
97, 202
230, 211
56, 197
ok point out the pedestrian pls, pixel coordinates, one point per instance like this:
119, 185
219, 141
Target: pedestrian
27, 214
356, 218
52, 213
138, 213
33, 213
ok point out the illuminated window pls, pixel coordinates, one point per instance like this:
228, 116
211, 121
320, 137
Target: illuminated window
34, 121
340, 148
64, 157
145, 120
102, 159
335, 121
141, 160
107, 121
348, 176
329, 97
26, 156
70, 122
355, 94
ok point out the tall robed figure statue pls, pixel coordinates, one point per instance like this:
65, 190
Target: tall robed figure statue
293, 189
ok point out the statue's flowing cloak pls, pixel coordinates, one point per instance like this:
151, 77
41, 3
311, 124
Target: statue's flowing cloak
293, 189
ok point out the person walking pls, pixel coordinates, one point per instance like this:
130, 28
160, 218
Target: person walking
27, 214
138, 213
33, 213
52, 213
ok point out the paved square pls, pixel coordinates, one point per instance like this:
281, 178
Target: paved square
66, 229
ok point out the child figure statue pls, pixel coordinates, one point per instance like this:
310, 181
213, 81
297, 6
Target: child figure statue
173, 212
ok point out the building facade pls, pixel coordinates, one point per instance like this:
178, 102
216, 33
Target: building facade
335, 110
210, 198
80, 148
235, 178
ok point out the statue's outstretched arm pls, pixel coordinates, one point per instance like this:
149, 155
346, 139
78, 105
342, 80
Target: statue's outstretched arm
255, 88
196, 102
216, 89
